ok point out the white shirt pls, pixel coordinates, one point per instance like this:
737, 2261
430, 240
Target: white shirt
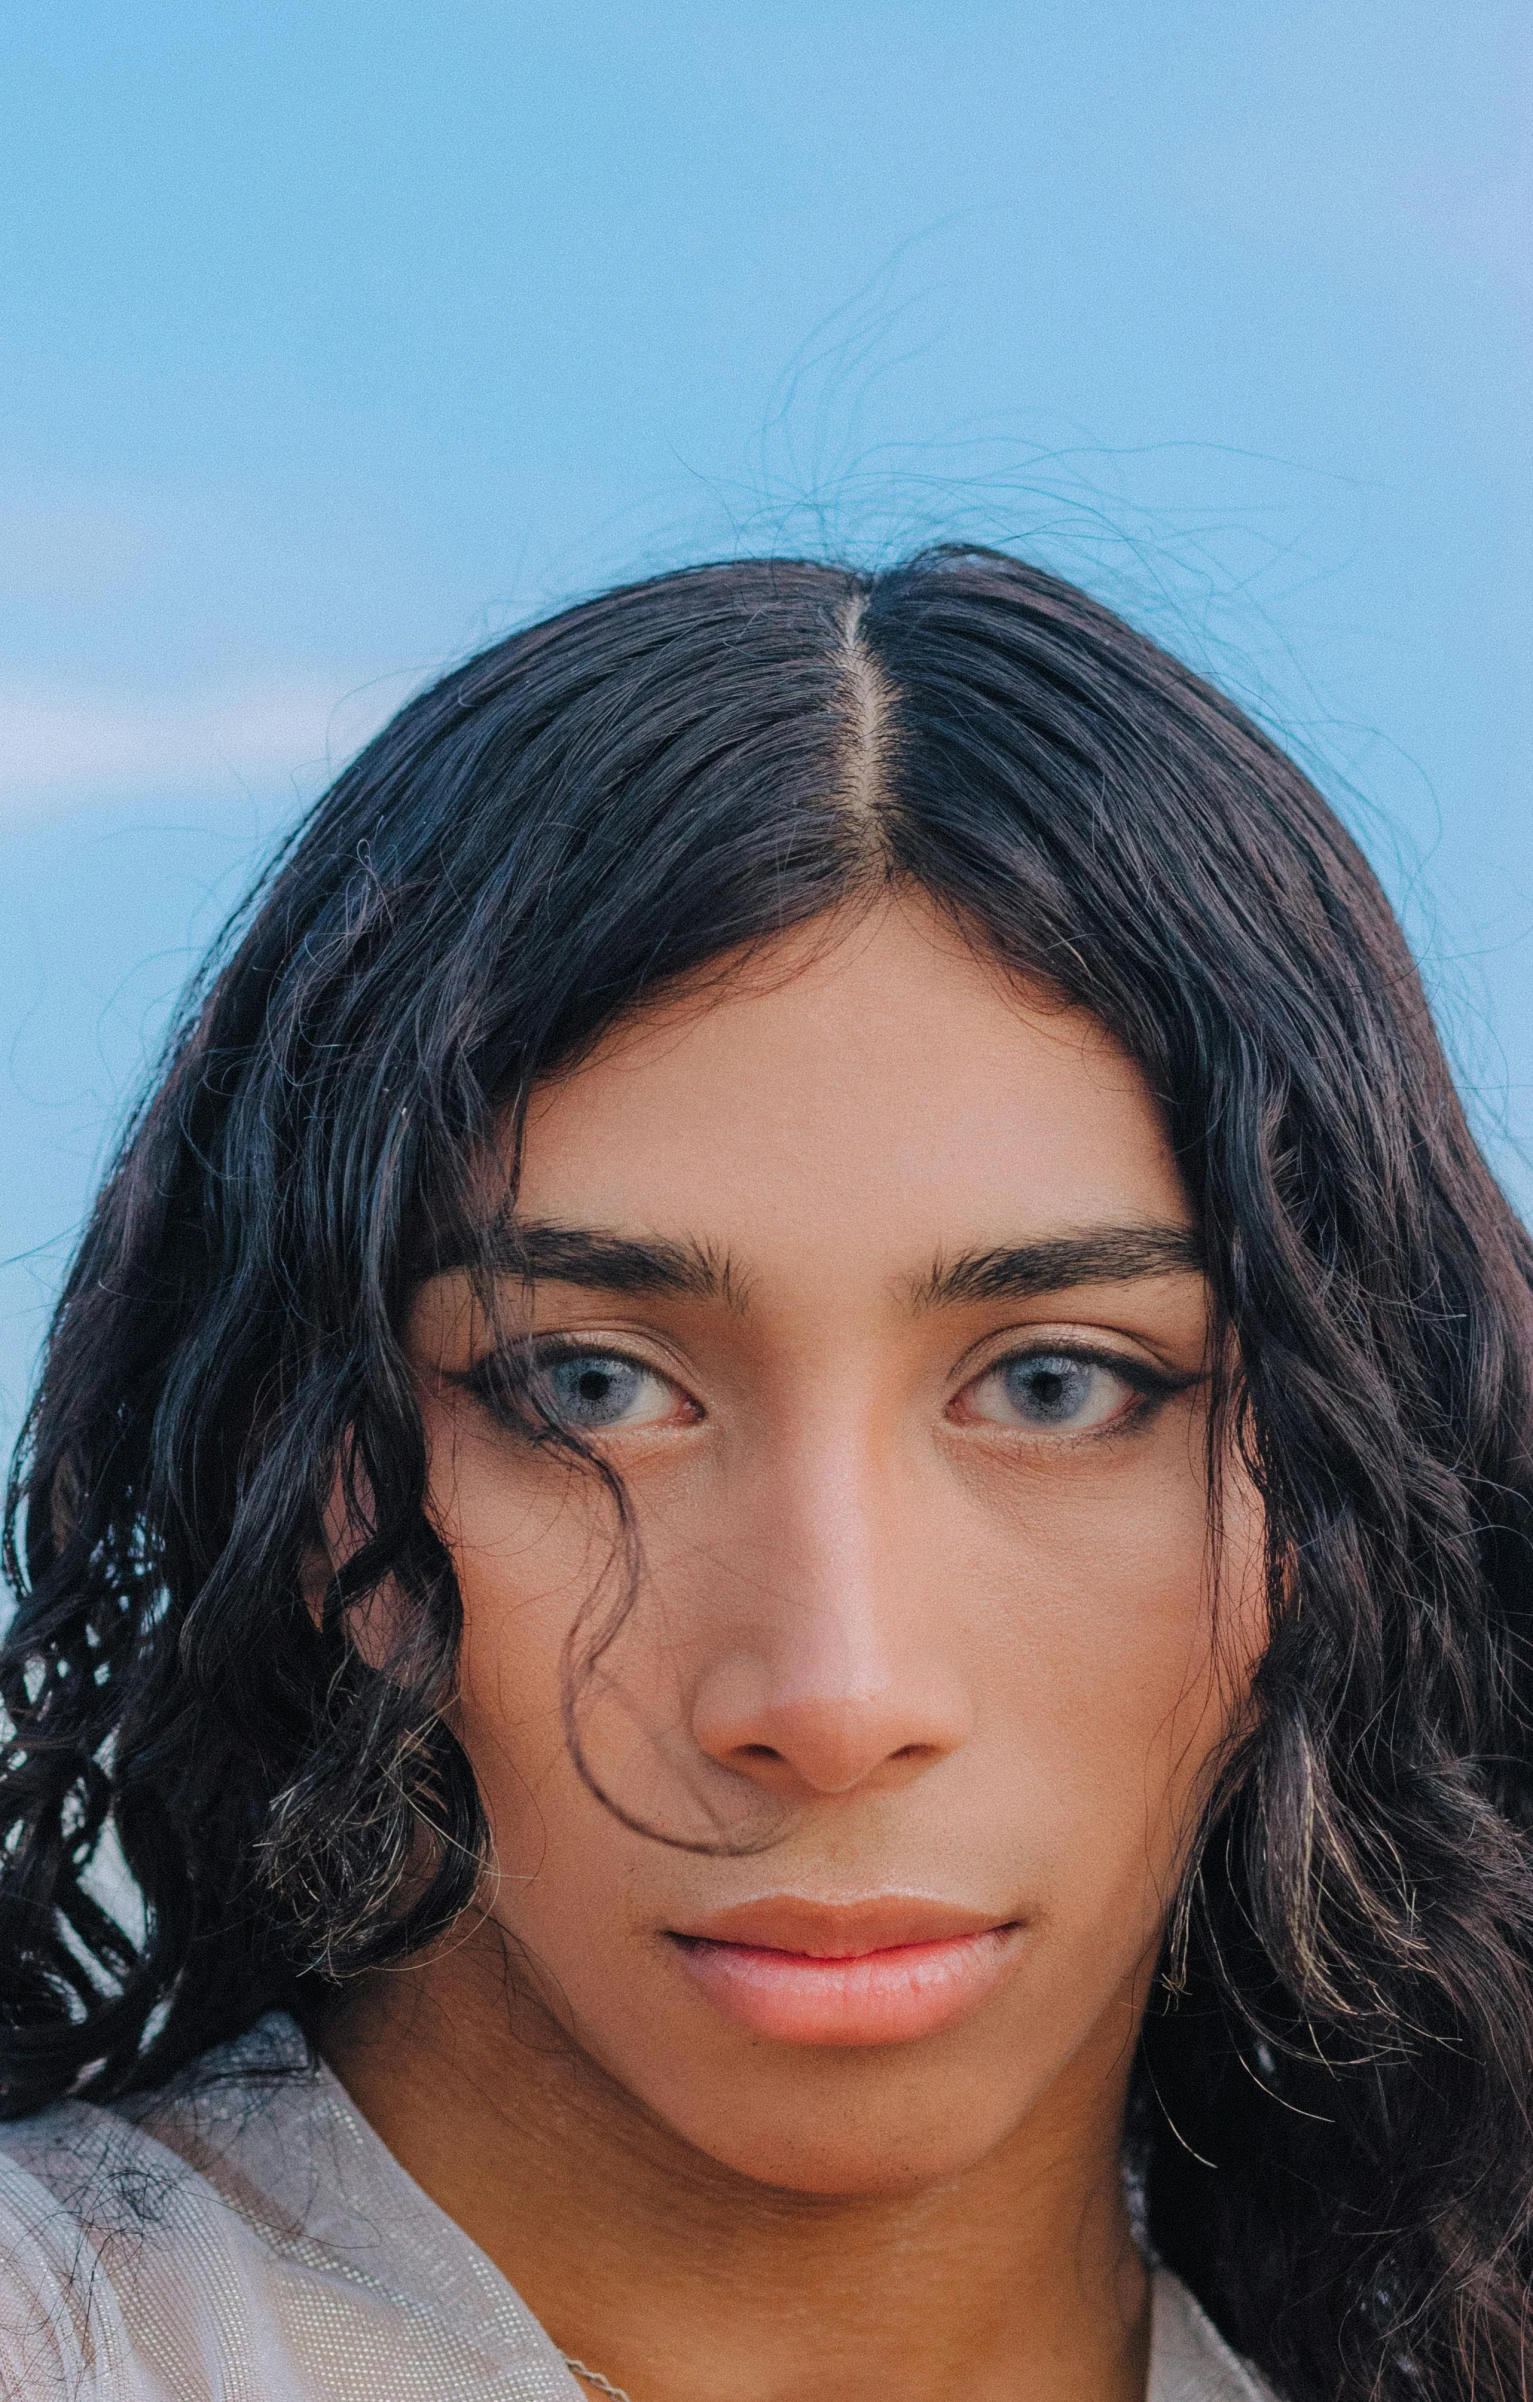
244, 2236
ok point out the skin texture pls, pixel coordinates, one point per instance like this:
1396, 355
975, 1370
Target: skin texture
891, 1640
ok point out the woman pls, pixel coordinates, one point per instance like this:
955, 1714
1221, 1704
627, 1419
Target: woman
783, 1504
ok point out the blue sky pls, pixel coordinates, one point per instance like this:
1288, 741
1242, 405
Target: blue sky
334, 339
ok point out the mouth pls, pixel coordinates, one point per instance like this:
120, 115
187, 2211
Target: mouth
884, 1971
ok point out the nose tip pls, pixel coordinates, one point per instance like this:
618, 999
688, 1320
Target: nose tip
822, 1743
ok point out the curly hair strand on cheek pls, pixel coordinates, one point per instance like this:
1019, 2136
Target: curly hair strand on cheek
1330, 2123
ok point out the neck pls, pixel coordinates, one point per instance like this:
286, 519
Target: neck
679, 2279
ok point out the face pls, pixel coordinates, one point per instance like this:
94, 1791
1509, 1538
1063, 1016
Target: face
872, 1277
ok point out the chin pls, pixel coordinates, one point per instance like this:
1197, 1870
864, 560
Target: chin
846, 2153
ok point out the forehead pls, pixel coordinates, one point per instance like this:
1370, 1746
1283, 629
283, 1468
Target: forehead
874, 1082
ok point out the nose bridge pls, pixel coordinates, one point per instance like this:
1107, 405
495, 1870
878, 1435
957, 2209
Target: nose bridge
835, 1500
833, 1670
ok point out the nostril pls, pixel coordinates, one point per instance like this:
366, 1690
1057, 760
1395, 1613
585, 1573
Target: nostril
758, 1751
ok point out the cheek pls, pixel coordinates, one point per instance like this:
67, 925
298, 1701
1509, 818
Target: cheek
1109, 1669
531, 1543
1080, 1594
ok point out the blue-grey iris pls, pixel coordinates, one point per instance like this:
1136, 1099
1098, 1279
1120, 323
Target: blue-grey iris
1049, 1389
590, 1392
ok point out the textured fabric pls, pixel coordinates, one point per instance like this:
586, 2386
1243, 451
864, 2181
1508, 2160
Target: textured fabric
246, 2237
1189, 2360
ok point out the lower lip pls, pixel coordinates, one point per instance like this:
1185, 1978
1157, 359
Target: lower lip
892, 1996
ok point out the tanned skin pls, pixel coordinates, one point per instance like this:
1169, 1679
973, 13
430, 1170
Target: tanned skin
924, 1651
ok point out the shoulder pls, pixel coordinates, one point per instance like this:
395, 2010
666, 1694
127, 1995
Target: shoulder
1189, 2359
119, 2257
243, 2231
65, 2182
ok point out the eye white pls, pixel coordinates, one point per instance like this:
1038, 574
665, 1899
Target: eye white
1048, 1392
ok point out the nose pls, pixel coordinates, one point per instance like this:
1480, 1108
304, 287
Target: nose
832, 1674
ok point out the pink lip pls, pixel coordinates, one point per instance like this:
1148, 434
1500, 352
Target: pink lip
889, 1971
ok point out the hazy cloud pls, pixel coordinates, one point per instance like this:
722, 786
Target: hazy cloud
63, 748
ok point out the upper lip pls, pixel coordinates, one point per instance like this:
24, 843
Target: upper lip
831, 1930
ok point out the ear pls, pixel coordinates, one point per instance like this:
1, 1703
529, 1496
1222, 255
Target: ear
373, 1625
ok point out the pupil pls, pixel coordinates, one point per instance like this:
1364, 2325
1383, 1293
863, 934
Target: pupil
593, 1384
1049, 1389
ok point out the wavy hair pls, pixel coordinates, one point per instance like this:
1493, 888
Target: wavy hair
1331, 2107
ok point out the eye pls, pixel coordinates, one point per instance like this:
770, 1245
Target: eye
596, 1392
1052, 1392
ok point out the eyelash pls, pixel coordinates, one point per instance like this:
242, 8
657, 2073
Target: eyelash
503, 1380
1151, 1387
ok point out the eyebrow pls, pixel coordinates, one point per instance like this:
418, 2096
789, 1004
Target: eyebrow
1055, 1263
618, 1263
611, 1263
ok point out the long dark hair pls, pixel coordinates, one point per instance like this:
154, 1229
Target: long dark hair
1331, 2108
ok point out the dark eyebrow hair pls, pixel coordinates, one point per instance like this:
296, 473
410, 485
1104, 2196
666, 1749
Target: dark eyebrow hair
607, 1262
1095, 1255
620, 1263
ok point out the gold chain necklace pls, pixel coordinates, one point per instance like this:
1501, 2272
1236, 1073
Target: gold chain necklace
603, 2385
